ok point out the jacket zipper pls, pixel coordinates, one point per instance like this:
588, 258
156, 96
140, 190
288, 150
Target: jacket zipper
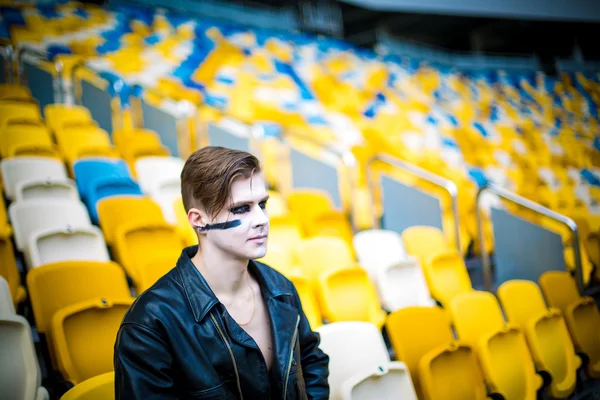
237, 375
289, 367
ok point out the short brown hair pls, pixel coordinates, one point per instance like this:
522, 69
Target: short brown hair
208, 174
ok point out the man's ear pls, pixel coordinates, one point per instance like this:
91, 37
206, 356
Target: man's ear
197, 218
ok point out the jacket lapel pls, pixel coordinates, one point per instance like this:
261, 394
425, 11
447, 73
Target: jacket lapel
284, 318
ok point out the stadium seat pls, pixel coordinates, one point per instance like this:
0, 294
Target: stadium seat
330, 223
26, 140
378, 248
580, 313
17, 112
131, 137
10, 271
446, 275
66, 243
74, 327
502, 349
440, 367
402, 285
101, 387
28, 217
281, 259
114, 211
21, 376
48, 188
141, 148
59, 116
7, 306
321, 254
104, 188
423, 241
546, 333
87, 171
147, 251
285, 232
22, 169
151, 169
310, 305
84, 141
347, 294
366, 371
14, 92
307, 204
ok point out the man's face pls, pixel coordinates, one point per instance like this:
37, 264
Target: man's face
245, 235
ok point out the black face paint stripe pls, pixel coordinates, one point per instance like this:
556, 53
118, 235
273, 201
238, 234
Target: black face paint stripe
220, 225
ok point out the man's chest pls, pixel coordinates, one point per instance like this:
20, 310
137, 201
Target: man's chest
259, 328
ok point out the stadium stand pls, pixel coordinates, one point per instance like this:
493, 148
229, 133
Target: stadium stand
92, 212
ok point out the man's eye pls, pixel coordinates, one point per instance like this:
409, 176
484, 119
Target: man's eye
263, 204
240, 209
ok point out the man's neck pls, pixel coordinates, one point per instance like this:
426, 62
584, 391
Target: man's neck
225, 275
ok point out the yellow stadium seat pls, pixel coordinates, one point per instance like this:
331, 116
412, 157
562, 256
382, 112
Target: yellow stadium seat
75, 328
285, 232
280, 258
113, 211
446, 275
546, 333
147, 251
137, 143
59, 116
422, 241
101, 387
581, 315
78, 142
307, 204
58, 285
22, 139
183, 224
310, 304
10, 271
331, 223
324, 253
16, 112
423, 340
502, 349
14, 92
347, 294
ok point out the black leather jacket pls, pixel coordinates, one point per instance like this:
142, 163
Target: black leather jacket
178, 341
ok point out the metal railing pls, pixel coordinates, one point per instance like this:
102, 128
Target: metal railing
57, 78
447, 185
537, 208
6, 52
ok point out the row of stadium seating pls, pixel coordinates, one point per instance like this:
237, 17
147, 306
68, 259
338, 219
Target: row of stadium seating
470, 127
78, 296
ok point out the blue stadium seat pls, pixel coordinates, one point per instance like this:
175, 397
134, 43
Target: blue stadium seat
87, 170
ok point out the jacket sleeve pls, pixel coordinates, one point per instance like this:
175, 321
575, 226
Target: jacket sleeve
315, 363
143, 365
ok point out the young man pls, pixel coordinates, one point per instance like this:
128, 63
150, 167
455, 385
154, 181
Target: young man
219, 325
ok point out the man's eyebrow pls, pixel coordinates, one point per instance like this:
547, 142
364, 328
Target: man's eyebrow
244, 203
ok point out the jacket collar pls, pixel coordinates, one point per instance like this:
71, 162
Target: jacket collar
199, 294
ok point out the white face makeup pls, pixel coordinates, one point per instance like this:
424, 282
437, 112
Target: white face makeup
246, 239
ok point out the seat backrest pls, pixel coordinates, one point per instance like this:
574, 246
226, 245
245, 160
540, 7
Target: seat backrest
559, 289
57, 115
415, 331
351, 346
20, 169
20, 377
101, 387
167, 187
422, 241
331, 223
102, 188
148, 169
14, 92
67, 243
521, 300
74, 327
89, 169
285, 231
376, 248
113, 211
6, 302
47, 189
403, 285
23, 134
475, 314
347, 294
323, 253
18, 110
447, 275
30, 216
309, 302
59, 285
280, 259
